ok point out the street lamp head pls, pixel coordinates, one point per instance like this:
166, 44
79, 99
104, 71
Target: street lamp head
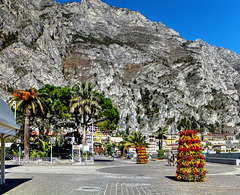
18, 141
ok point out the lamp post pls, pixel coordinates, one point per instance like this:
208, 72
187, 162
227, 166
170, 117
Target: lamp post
80, 147
72, 141
173, 128
14, 106
92, 143
19, 145
51, 142
72, 152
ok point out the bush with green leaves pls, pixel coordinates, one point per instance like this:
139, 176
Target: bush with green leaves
160, 154
43, 151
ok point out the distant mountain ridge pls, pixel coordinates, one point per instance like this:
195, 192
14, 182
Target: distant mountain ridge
154, 77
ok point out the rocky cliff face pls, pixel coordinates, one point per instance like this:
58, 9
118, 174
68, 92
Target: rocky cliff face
154, 77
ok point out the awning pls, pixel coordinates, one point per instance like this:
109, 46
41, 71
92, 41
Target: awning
7, 120
7, 130
8, 127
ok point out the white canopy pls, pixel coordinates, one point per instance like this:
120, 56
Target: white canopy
7, 121
8, 127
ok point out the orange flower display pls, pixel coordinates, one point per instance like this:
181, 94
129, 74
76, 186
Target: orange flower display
25, 95
142, 157
190, 159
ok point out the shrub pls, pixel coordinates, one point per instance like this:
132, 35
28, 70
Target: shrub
161, 154
36, 153
190, 159
8, 39
86, 154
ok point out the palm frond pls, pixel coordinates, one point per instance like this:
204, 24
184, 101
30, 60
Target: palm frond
87, 109
40, 105
135, 139
129, 145
75, 99
19, 103
73, 107
33, 107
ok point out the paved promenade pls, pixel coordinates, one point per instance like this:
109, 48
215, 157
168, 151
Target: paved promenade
121, 177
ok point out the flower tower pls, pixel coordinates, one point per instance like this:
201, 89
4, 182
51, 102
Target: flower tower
142, 157
190, 159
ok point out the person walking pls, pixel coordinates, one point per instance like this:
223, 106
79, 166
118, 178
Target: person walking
150, 157
169, 156
113, 155
135, 157
204, 155
173, 158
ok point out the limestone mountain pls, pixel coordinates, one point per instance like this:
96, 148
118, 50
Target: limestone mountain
153, 76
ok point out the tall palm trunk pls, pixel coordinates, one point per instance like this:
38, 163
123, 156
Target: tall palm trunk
27, 114
84, 135
78, 128
161, 141
84, 129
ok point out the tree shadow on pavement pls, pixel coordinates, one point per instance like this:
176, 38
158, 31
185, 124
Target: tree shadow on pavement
11, 166
11, 183
172, 178
103, 160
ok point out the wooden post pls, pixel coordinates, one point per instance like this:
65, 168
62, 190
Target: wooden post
2, 181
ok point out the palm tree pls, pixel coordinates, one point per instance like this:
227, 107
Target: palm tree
135, 139
122, 143
160, 134
26, 101
108, 146
84, 102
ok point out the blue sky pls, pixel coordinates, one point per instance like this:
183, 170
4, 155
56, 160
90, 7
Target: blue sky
214, 21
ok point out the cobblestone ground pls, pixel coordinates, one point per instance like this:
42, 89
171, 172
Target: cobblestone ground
119, 177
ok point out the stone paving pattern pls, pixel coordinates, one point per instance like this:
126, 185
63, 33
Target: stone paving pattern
118, 177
